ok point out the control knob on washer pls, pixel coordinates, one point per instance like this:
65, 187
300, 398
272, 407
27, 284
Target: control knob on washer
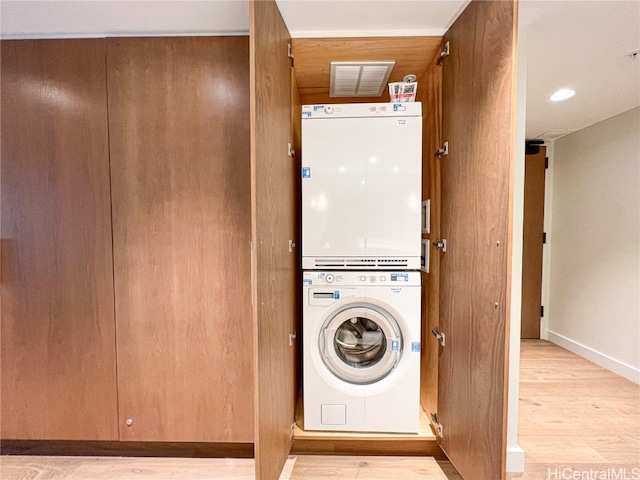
329, 278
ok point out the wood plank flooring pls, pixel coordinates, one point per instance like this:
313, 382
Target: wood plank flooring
310, 467
112, 468
576, 418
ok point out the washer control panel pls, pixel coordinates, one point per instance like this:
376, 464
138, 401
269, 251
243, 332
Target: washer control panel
361, 278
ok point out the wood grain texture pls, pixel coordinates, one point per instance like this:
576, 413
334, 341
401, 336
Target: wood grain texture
318, 467
300, 467
58, 333
273, 206
574, 414
179, 130
430, 94
100, 468
313, 57
533, 228
126, 449
478, 108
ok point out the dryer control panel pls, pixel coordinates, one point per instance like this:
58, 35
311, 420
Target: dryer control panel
381, 278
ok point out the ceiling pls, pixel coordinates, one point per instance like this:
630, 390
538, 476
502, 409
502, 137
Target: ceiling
577, 44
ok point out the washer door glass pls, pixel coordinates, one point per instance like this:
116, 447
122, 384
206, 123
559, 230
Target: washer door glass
361, 343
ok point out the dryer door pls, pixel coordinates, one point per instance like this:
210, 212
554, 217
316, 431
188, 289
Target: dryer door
361, 343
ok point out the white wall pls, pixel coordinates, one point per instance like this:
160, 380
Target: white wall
594, 243
515, 454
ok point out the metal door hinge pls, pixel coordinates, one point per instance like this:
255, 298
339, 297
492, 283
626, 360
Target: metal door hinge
544, 237
441, 244
541, 311
546, 162
292, 336
439, 335
438, 426
290, 53
292, 245
290, 151
293, 428
443, 54
441, 152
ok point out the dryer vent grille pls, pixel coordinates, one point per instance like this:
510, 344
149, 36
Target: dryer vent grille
361, 263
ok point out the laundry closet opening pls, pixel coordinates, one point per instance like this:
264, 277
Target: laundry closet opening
363, 334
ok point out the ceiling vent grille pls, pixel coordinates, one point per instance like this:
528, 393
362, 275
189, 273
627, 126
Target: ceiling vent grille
359, 79
554, 134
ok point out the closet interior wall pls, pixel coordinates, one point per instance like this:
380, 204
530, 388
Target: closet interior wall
412, 55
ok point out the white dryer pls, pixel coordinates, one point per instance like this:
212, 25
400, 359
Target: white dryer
361, 355
361, 186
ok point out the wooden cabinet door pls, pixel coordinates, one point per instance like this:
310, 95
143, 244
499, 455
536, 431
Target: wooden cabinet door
58, 331
273, 201
179, 138
478, 115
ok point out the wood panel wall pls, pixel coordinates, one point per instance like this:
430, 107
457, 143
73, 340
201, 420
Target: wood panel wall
274, 180
478, 113
58, 338
180, 168
430, 94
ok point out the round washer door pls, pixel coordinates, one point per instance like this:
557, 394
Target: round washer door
360, 343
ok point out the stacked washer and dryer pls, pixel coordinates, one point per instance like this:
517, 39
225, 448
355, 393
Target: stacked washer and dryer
361, 243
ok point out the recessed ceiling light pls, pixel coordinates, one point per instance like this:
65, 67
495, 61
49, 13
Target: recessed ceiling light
562, 94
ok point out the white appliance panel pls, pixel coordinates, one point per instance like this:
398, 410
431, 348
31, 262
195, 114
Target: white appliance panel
334, 193
362, 188
394, 186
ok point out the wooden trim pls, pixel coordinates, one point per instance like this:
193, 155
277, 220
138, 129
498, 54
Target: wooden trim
418, 447
126, 449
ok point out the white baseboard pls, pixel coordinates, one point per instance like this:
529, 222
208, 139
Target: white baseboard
515, 459
616, 366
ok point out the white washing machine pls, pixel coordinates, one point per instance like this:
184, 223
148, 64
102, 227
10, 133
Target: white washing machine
361, 351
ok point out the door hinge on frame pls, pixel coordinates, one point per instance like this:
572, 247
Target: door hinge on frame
443, 54
290, 53
441, 152
290, 151
441, 244
292, 336
541, 311
439, 335
438, 426
544, 237
293, 428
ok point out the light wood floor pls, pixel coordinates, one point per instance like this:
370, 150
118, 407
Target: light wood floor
300, 467
574, 417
